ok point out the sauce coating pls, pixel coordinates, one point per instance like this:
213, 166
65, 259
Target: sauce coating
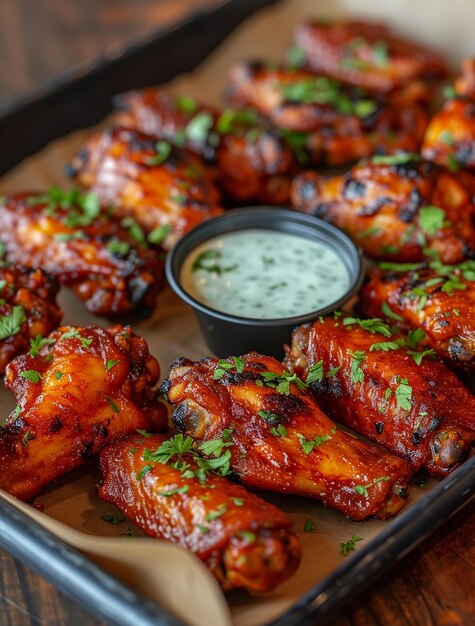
264, 274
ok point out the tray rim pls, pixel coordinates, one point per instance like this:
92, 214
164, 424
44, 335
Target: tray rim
30, 542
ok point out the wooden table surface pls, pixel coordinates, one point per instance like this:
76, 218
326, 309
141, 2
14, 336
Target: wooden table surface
432, 586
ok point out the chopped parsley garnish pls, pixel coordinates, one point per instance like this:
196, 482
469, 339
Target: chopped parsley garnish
432, 219
144, 433
247, 535
385, 346
175, 492
162, 149
75, 334
297, 142
224, 366
395, 159
309, 444
113, 405
58, 375
118, 247
369, 232
221, 510
279, 431
315, 373
145, 470
11, 324
309, 526
295, 57
199, 127
231, 119
452, 163
350, 545
27, 437
37, 343
82, 209
31, 375
374, 325
134, 229
362, 490
403, 395
388, 312
110, 364
281, 382
270, 417
186, 104
380, 54
159, 234
357, 374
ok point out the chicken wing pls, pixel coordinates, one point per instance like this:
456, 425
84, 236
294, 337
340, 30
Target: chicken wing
368, 55
281, 440
395, 207
387, 390
167, 191
253, 163
439, 300
77, 389
27, 309
327, 121
174, 494
107, 261
450, 136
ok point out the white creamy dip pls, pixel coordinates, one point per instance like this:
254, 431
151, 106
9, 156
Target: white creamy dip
264, 274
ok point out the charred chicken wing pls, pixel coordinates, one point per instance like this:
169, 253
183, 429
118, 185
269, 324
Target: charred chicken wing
27, 309
450, 136
388, 390
325, 120
437, 299
107, 261
172, 493
281, 440
77, 389
368, 55
395, 207
253, 164
167, 191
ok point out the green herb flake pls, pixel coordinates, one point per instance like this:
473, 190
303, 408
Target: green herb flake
309, 526
400, 158
349, 546
163, 150
381, 54
58, 375
279, 431
238, 501
296, 57
309, 444
11, 324
315, 373
111, 363
431, 219
403, 395
145, 470
37, 343
186, 104
31, 375
118, 247
113, 405
199, 127
357, 374
27, 437
388, 312
270, 417
115, 520
159, 234
175, 492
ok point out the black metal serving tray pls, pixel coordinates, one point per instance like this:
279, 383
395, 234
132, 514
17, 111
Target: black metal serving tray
82, 98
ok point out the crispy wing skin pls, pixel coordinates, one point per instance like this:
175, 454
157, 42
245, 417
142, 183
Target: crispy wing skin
164, 189
395, 210
441, 302
244, 541
253, 163
86, 248
384, 395
368, 55
82, 388
27, 309
282, 441
450, 136
330, 122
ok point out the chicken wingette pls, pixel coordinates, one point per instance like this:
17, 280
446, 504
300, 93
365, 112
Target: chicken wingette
172, 493
106, 260
281, 440
166, 190
396, 207
450, 136
252, 162
323, 119
77, 389
28, 309
437, 299
387, 389
368, 55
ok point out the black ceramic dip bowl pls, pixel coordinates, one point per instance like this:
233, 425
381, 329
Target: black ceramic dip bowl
227, 324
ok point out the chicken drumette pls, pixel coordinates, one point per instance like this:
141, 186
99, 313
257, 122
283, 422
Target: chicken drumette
28, 309
252, 162
435, 298
388, 389
172, 493
280, 439
77, 389
106, 260
369, 55
396, 207
327, 121
167, 191
450, 136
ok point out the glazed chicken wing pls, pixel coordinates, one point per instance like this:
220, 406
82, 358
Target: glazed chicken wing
253, 163
76, 389
167, 191
327, 121
172, 493
396, 395
438, 299
281, 440
368, 55
450, 136
395, 207
27, 309
107, 262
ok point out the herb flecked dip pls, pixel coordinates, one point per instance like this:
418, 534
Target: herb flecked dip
264, 274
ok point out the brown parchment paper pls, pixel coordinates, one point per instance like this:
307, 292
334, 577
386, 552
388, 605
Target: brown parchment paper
173, 331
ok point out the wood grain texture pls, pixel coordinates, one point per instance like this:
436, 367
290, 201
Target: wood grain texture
432, 586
